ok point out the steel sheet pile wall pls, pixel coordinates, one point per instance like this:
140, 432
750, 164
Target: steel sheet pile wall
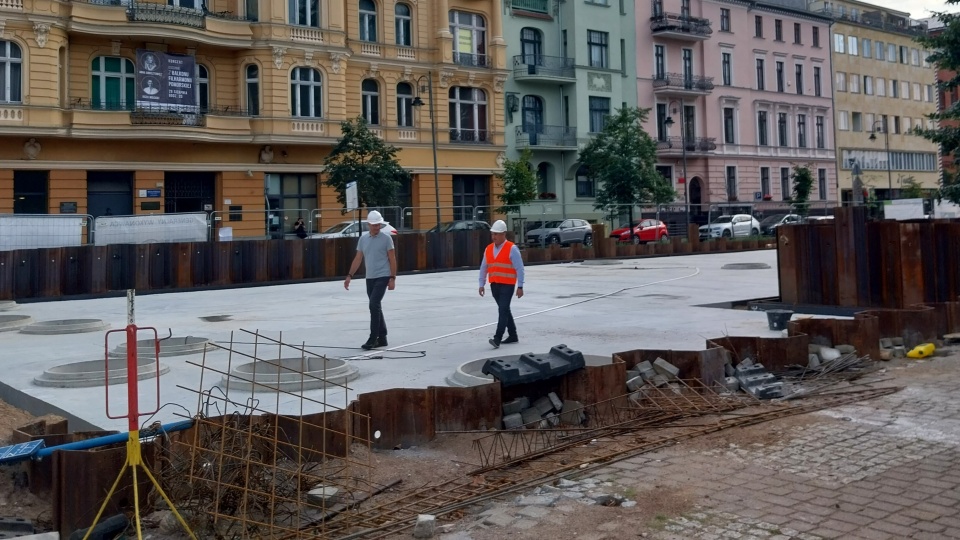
881, 264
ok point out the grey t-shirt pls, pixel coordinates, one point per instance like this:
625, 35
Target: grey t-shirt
376, 264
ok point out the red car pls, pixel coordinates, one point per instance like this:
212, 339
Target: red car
646, 230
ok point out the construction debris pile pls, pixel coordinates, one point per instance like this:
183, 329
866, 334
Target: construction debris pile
753, 379
545, 412
646, 375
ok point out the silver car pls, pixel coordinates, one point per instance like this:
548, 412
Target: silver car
731, 227
565, 232
348, 229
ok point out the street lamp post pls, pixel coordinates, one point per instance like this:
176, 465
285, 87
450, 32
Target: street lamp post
417, 102
683, 144
886, 147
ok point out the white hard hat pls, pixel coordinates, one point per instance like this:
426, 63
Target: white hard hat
374, 218
498, 226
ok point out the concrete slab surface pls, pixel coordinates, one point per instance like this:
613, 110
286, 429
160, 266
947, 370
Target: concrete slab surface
597, 309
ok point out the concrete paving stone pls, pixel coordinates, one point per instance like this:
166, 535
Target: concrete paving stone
951, 533
857, 491
923, 535
524, 524
499, 519
949, 521
809, 521
815, 509
940, 500
928, 526
824, 532
853, 499
752, 512
535, 512
920, 515
870, 534
838, 525
777, 490
874, 513
886, 507
899, 500
779, 510
892, 528
802, 497
929, 506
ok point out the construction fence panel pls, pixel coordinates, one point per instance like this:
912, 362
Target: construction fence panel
31, 231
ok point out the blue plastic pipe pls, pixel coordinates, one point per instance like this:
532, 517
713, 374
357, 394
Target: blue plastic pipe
113, 439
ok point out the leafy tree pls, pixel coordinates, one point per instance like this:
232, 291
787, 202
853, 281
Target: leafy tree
621, 159
911, 188
363, 157
946, 57
802, 186
518, 182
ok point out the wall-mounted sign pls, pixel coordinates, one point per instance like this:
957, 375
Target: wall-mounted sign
153, 193
165, 81
150, 205
68, 208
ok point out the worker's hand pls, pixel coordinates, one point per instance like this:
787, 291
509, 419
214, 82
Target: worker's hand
520, 293
346, 283
481, 291
392, 284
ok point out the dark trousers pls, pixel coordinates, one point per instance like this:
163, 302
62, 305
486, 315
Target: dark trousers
376, 288
503, 293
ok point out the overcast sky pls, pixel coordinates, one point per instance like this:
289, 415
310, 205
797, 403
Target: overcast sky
918, 9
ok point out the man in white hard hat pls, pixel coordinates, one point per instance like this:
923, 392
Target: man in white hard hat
503, 266
376, 251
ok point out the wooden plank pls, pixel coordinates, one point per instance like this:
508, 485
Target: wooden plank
97, 265
182, 265
26, 280
74, 275
49, 266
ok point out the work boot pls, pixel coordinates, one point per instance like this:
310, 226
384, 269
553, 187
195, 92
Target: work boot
495, 342
381, 342
511, 339
370, 344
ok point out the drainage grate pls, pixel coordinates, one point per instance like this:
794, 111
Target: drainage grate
745, 266
216, 318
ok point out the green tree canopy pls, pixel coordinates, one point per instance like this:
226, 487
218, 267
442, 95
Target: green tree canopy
945, 45
802, 187
621, 159
518, 182
363, 157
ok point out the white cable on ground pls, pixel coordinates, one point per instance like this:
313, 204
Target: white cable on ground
585, 300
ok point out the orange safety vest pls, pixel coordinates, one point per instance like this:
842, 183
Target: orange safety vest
499, 268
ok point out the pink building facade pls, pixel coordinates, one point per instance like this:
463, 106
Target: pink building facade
738, 94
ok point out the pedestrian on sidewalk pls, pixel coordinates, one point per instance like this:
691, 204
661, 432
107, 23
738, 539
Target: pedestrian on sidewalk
503, 266
375, 249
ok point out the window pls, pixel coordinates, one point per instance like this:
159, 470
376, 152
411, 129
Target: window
657, 8
838, 43
868, 85
251, 10
304, 12
778, 30
765, 181
799, 76
688, 68
729, 136
531, 46
469, 192
866, 46
843, 120
880, 86
623, 58
684, 9
291, 191
868, 122
929, 96
659, 62
726, 68
468, 114
203, 88
599, 111
11, 62
469, 39
854, 82
585, 185
904, 55
880, 47
532, 116
689, 122
821, 140
896, 125
112, 83
856, 122
761, 85
724, 20
891, 52
758, 26
916, 92
732, 182
817, 90
253, 89
782, 129
904, 89
661, 121
822, 183
906, 124
306, 93
597, 47
403, 24
841, 81
816, 36
802, 130
780, 77
404, 105
370, 101
368, 21
30, 192
762, 128
797, 34
785, 190
853, 46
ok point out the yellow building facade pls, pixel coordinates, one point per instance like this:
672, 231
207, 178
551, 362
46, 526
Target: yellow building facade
272, 80
883, 89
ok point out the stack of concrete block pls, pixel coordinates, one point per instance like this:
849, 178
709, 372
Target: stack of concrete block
542, 413
755, 380
646, 376
891, 348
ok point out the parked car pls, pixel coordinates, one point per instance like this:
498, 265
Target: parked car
348, 229
731, 227
819, 219
769, 224
563, 232
462, 225
644, 230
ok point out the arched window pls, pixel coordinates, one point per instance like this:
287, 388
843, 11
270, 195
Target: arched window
532, 114
306, 91
203, 88
370, 94
187, 4
253, 89
11, 72
468, 114
404, 24
113, 81
585, 185
368, 21
531, 46
404, 105
470, 38
544, 178
303, 12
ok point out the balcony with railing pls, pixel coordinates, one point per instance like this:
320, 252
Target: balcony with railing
682, 85
11, 5
90, 117
469, 136
165, 14
694, 145
472, 60
542, 68
683, 27
878, 20
533, 6
544, 137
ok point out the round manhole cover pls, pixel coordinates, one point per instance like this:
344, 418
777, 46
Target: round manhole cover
745, 266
